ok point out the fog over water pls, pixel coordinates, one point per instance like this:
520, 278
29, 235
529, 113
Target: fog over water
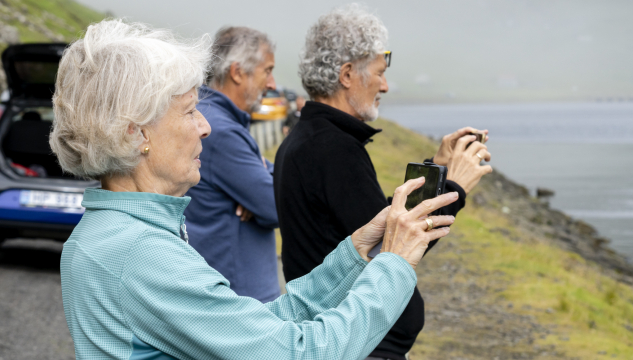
449, 50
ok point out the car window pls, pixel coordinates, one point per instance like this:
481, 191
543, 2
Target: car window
37, 72
34, 113
272, 94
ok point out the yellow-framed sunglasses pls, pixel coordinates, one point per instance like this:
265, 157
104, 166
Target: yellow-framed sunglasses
388, 57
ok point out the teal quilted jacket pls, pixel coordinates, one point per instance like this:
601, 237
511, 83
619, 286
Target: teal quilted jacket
134, 289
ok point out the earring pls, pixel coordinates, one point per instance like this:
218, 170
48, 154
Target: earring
146, 150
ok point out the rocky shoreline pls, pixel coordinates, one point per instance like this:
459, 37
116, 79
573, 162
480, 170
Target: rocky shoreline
535, 217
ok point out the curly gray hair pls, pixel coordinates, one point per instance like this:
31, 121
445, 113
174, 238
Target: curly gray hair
120, 76
243, 45
347, 34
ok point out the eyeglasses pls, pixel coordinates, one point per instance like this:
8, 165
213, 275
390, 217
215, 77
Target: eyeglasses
388, 58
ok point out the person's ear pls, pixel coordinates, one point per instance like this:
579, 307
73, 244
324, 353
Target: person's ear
143, 132
145, 135
236, 73
345, 75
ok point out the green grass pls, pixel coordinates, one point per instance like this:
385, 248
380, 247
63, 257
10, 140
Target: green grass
64, 17
591, 309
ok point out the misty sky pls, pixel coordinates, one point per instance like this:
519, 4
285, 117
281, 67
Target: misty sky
444, 50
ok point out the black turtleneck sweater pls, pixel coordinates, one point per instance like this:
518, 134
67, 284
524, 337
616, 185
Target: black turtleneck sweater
325, 189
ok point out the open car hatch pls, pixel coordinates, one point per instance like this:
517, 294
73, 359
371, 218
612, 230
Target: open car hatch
31, 69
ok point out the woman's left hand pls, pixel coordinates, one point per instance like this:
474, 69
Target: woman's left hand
365, 238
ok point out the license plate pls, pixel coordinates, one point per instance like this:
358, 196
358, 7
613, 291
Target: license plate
50, 199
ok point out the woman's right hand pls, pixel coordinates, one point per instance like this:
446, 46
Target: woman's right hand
406, 231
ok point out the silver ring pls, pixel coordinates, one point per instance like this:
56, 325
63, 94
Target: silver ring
429, 224
479, 156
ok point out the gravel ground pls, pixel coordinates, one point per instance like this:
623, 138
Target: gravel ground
32, 322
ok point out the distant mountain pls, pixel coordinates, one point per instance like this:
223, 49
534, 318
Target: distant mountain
28, 21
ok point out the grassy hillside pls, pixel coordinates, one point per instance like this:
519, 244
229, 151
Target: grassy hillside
47, 20
31, 21
502, 285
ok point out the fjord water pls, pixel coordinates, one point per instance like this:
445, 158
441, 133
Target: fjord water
582, 151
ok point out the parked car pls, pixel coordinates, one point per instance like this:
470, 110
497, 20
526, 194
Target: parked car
37, 199
274, 107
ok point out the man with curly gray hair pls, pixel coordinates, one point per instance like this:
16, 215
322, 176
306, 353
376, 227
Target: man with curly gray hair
342, 51
325, 182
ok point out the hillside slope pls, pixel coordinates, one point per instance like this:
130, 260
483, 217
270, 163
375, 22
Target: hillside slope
28, 21
514, 279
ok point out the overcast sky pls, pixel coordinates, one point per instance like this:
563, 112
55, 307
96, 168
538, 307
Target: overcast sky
451, 50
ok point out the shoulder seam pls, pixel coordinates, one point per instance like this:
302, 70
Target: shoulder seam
95, 260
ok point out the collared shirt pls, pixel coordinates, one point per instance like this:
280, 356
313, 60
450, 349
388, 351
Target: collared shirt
232, 173
133, 289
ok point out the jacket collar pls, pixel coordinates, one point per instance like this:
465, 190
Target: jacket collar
159, 210
212, 96
344, 121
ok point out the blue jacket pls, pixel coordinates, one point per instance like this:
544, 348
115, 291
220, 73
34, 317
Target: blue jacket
232, 173
134, 290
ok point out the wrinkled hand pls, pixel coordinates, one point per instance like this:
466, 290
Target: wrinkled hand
449, 141
464, 167
365, 238
404, 232
244, 214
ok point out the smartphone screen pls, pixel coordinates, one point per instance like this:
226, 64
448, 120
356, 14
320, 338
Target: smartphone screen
426, 191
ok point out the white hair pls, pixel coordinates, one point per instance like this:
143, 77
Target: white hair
242, 45
347, 34
120, 76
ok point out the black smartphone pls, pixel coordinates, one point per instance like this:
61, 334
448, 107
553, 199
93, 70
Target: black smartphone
435, 181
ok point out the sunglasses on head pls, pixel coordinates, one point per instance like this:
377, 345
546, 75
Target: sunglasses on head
388, 58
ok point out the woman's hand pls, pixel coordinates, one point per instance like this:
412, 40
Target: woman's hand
464, 166
449, 141
365, 238
404, 232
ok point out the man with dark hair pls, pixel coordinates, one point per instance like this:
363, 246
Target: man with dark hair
325, 182
232, 216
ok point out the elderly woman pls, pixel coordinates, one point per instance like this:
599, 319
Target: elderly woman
125, 108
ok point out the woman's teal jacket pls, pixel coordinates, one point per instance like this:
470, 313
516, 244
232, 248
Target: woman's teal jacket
134, 289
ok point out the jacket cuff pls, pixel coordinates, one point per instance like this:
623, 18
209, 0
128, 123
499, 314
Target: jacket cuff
394, 261
453, 186
352, 252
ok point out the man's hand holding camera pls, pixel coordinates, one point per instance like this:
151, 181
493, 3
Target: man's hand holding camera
464, 166
462, 155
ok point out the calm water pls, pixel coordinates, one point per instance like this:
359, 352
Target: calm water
584, 152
